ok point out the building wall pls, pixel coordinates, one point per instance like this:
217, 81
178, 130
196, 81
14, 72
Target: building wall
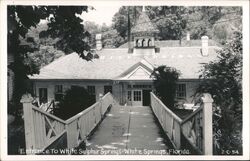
119, 89
50, 85
191, 86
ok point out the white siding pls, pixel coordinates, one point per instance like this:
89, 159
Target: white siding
50, 85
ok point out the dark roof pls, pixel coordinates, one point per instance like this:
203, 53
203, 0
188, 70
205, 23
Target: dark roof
176, 43
144, 25
113, 62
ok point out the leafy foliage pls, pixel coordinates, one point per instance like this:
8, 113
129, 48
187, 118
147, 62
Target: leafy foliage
110, 37
120, 19
174, 21
223, 79
171, 21
64, 24
165, 82
75, 100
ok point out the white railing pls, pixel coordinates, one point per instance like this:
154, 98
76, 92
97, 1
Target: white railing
196, 128
43, 128
169, 121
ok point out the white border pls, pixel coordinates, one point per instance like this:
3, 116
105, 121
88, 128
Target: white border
3, 74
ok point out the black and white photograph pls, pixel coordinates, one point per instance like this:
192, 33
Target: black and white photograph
95, 80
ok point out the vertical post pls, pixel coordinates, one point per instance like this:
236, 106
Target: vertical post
129, 32
28, 123
68, 132
207, 124
100, 99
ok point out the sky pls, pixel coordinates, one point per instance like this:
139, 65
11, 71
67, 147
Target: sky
101, 14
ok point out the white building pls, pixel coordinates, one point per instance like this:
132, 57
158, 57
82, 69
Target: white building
126, 73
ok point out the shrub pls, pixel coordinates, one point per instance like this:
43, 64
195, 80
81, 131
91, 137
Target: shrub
75, 100
165, 82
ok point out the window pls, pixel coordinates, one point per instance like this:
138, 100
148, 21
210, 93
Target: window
58, 92
43, 95
107, 89
137, 95
91, 90
129, 96
181, 91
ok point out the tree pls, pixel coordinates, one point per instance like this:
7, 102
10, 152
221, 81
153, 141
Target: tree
64, 24
171, 21
75, 100
46, 52
165, 82
110, 37
205, 20
223, 80
120, 19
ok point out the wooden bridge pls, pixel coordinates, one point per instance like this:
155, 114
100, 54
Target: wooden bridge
123, 128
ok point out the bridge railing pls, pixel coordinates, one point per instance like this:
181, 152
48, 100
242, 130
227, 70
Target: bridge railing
196, 128
169, 121
42, 128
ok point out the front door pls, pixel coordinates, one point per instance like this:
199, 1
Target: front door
137, 98
146, 97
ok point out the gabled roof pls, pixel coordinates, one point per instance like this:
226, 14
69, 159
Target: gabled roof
140, 71
144, 25
115, 62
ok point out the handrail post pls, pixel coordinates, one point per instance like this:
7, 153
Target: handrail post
207, 124
28, 122
100, 100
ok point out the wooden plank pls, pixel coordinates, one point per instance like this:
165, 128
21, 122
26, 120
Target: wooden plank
71, 135
49, 115
38, 127
53, 140
167, 109
34, 115
43, 130
192, 115
178, 135
81, 113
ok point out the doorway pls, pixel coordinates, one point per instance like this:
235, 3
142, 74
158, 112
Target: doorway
137, 98
146, 97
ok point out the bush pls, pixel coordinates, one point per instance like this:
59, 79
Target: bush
165, 82
223, 80
75, 100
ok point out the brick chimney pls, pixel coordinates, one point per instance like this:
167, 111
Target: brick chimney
98, 39
204, 45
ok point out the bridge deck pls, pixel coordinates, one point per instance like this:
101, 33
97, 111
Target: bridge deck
128, 128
